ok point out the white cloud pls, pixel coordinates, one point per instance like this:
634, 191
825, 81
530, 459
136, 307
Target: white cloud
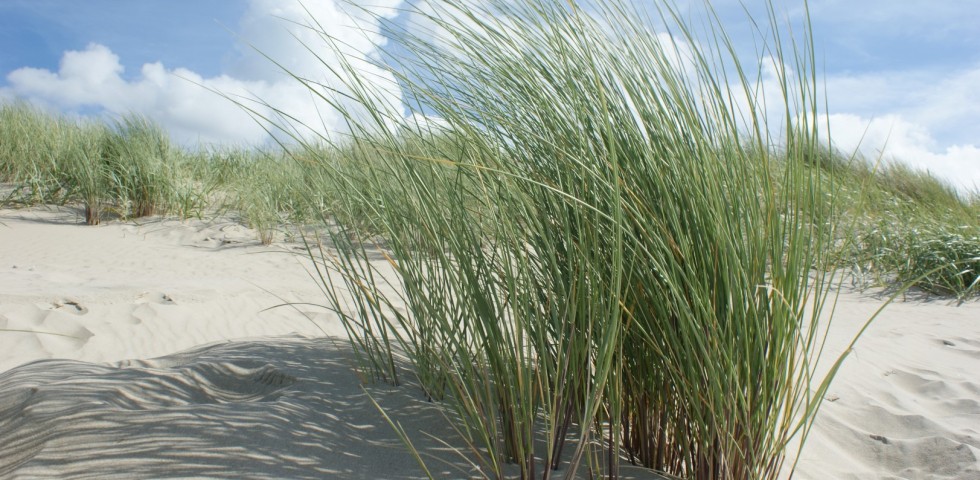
893, 137
926, 118
279, 28
93, 78
946, 102
440, 23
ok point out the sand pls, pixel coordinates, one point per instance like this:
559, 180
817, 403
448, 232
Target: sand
906, 402
173, 360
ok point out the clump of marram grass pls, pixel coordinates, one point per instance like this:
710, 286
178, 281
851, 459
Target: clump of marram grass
129, 168
85, 171
597, 258
138, 161
909, 228
53, 160
945, 262
934, 257
264, 197
32, 147
270, 191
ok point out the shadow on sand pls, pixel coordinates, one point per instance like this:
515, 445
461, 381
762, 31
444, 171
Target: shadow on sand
272, 408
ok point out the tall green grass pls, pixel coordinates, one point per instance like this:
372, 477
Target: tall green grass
936, 252
910, 228
138, 162
126, 167
129, 168
32, 145
601, 257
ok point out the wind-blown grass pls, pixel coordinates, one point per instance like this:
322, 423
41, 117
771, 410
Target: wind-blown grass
127, 167
602, 255
130, 168
909, 228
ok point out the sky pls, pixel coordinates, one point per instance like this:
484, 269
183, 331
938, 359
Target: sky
902, 78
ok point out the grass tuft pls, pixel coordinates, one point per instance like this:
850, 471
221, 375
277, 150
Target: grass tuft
601, 254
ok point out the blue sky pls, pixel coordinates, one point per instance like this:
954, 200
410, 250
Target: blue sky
193, 34
903, 72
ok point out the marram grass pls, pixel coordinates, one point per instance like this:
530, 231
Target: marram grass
600, 258
604, 249
126, 167
909, 228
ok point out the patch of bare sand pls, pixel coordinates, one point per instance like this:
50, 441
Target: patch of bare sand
906, 401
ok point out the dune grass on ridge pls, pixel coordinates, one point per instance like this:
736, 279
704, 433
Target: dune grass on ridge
911, 228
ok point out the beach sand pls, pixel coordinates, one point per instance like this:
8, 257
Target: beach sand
172, 359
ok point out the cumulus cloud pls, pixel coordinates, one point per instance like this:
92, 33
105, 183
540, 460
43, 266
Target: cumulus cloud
184, 102
928, 119
946, 101
893, 137
279, 28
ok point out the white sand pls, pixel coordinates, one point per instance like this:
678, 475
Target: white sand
906, 403
284, 402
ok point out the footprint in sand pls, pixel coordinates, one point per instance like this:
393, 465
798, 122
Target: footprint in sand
155, 297
69, 306
962, 346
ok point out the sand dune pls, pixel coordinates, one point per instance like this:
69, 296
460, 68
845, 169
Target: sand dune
161, 357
